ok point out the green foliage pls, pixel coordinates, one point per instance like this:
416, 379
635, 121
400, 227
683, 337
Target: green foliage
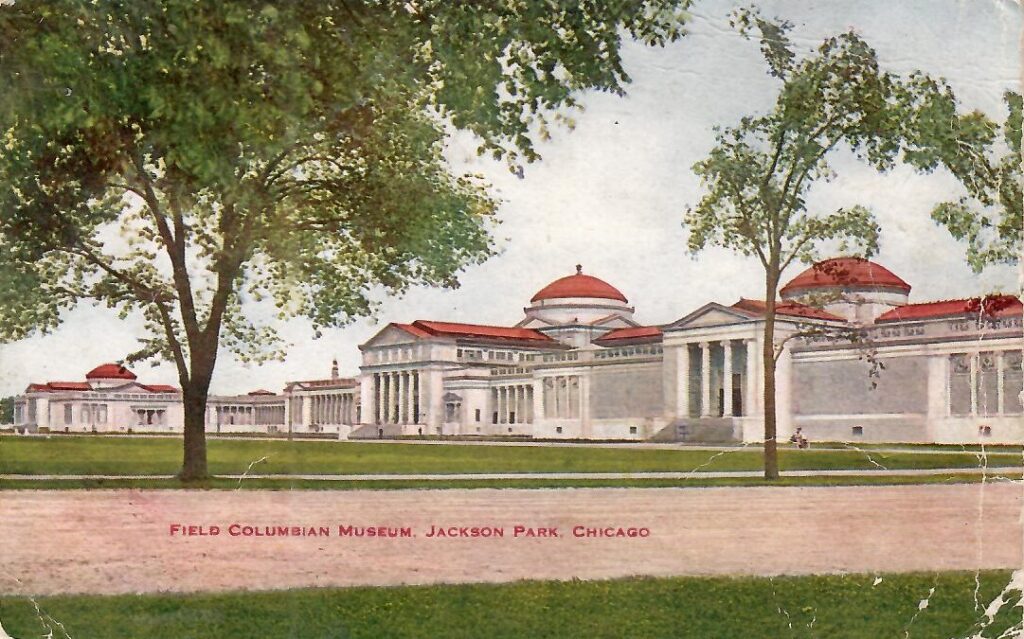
834, 606
758, 175
986, 158
7, 410
288, 151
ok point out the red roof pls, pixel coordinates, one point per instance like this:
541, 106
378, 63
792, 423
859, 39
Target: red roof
409, 328
579, 285
845, 272
159, 388
110, 371
792, 309
50, 387
452, 329
991, 306
631, 333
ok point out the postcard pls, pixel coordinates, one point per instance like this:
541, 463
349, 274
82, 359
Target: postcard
664, 318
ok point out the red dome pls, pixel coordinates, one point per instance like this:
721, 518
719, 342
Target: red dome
579, 285
845, 272
110, 371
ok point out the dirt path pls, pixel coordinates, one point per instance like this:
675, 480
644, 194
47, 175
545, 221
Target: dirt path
118, 541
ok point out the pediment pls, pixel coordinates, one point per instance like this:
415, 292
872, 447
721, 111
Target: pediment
712, 314
390, 335
615, 321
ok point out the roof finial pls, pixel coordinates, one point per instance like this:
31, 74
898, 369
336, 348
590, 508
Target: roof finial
579, 269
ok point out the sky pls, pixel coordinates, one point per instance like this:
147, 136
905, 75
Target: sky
611, 193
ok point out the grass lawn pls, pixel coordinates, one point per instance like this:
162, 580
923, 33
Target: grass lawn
849, 606
324, 484
149, 456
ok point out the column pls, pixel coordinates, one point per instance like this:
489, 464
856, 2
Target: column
410, 406
727, 378
395, 401
1000, 391
366, 397
974, 383
402, 387
537, 406
378, 413
705, 379
683, 381
750, 403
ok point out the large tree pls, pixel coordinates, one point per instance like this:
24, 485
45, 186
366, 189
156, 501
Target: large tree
182, 159
834, 99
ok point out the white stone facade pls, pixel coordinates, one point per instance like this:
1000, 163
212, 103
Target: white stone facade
863, 366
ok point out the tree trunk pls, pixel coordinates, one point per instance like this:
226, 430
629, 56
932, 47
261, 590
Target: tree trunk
771, 455
195, 391
193, 464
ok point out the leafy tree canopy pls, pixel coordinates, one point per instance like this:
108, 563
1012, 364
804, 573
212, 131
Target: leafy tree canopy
986, 158
289, 150
761, 169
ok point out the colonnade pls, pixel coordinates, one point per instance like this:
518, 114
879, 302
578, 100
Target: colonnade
562, 396
512, 404
336, 408
982, 371
397, 396
704, 397
250, 414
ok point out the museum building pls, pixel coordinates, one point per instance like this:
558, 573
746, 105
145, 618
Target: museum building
855, 360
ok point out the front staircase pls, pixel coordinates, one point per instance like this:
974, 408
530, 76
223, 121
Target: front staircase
701, 430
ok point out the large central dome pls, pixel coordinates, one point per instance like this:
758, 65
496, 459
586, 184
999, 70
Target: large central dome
579, 286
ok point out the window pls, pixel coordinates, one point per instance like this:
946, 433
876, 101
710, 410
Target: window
67, 413
857, 430
86, 413
478, 414
494, 417
100, 413
985, 431
558, 429
458, 352
632, 430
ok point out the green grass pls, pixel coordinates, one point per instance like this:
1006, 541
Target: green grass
836, 607
155, 456
322, 484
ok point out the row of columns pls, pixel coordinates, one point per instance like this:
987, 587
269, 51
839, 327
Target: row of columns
336, 408
513, 404
249, 414
683, 378
1000, 371
562, 404
398, 397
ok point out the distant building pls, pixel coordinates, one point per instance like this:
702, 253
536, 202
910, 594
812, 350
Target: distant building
858, 361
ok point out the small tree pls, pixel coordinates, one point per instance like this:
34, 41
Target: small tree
179, 159
7, 410
760, 171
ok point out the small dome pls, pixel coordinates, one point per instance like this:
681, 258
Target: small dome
845, 272
579, 285
110, 371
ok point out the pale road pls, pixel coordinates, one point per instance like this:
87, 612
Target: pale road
119, 541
